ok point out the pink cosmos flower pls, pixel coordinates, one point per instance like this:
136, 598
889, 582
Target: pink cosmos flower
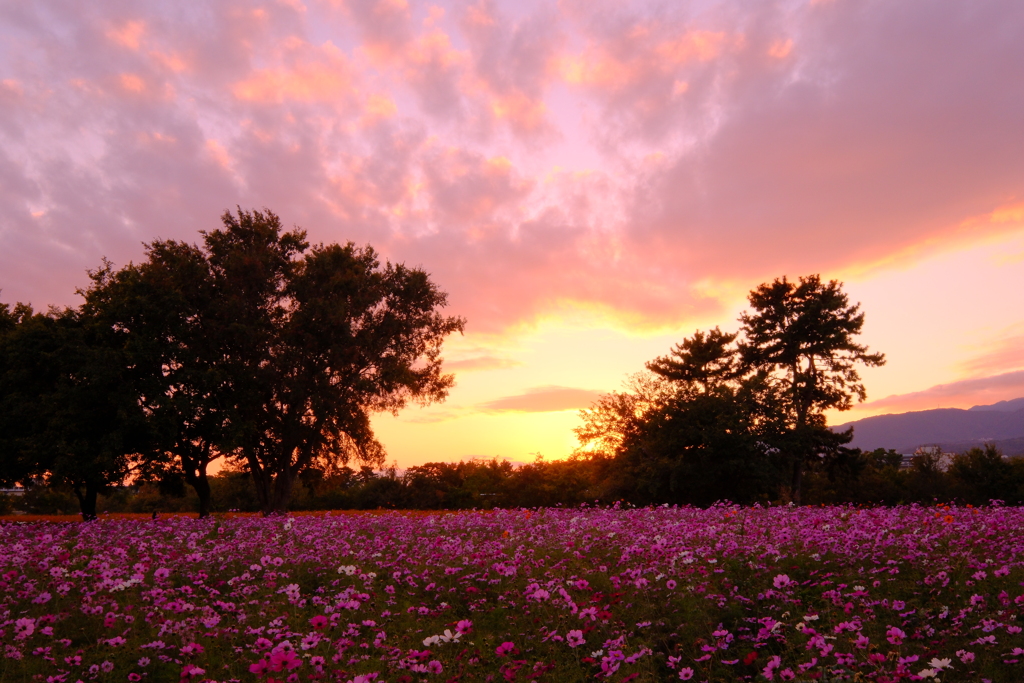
769, 671
434, 666
191, 671
364, 678
192, 649
319, 622
671, 584
781, 581
686, 673
575, 638
504, 649
895, 635
464, 626
284, 659
24, 627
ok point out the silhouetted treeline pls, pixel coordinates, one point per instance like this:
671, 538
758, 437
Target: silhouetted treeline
977, 477
254, 346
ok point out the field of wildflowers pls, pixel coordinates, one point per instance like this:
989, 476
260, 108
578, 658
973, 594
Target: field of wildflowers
559, 595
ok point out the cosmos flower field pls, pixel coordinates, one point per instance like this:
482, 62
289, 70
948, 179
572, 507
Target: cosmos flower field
655, 594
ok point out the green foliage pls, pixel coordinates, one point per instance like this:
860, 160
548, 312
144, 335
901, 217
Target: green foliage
983, 475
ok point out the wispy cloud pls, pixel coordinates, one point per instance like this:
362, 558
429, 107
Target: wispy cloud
480, 364
1003, 353
544, 399
961, 394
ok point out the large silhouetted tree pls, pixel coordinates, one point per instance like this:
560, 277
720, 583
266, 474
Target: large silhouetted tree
800, 337
258, 346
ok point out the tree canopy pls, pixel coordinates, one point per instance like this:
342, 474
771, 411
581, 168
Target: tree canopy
274, 352
800, 337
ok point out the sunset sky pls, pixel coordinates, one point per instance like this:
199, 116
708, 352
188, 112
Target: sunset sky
590, 181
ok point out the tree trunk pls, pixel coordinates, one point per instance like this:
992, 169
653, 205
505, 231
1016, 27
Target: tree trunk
195, 476
798, 475
282, 491
198, 480
261, 481
273, 490
87, 500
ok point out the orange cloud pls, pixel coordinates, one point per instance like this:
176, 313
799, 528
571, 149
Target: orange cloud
218, 153
132, 83
781, 49
318, 75
128, 34
11, 86
523, 112
637, 56
696, 45
380, 107
171, 61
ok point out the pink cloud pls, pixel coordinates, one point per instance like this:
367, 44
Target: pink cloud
961, 394
480, 364
1004, 353
543, 400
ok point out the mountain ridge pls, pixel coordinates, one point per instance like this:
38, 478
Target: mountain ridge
953, 429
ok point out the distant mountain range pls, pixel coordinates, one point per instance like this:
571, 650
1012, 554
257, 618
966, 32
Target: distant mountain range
953, 429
